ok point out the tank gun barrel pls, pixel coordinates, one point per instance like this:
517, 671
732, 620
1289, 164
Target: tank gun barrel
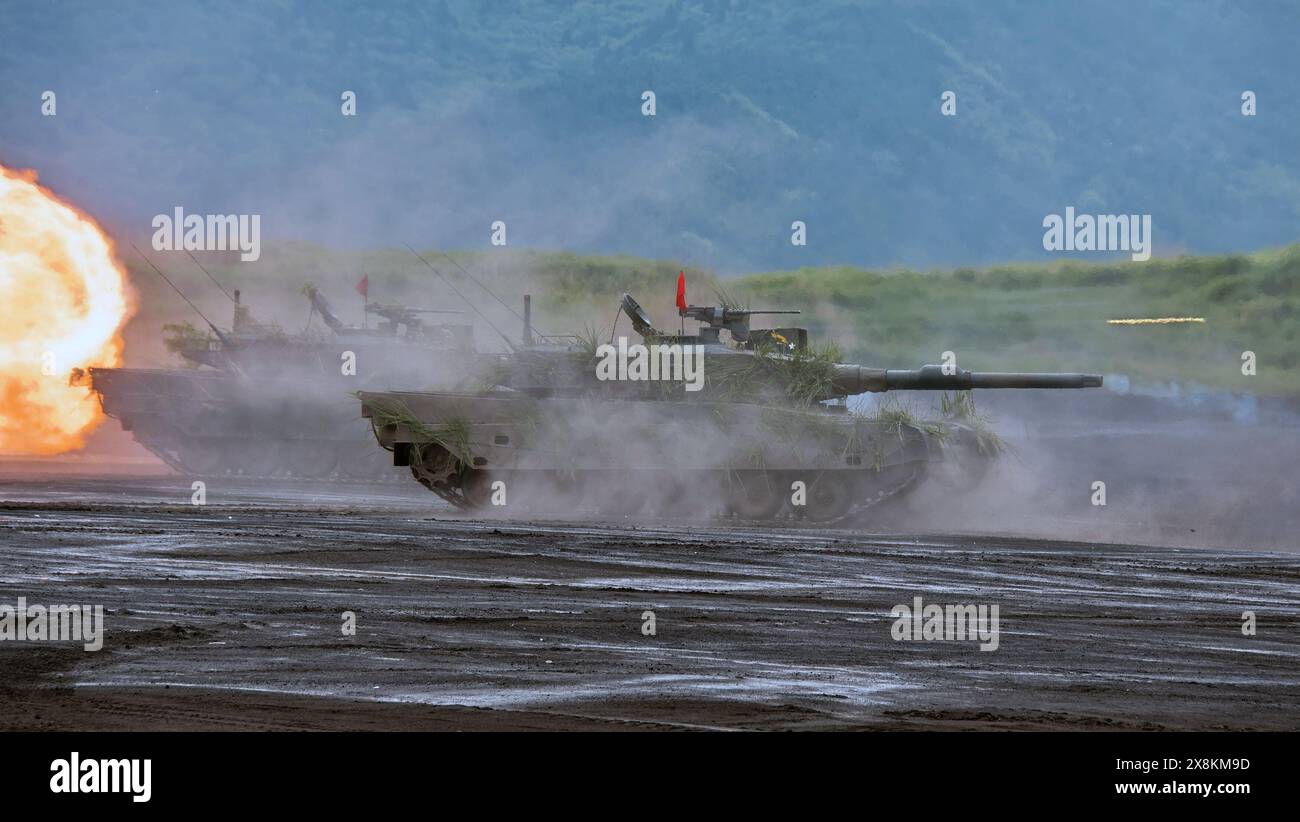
856, 379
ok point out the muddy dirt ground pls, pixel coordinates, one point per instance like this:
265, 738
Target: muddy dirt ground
229, 616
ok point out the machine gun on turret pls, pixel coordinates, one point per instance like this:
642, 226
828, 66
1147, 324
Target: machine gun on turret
395, 317
734, 320
400, 315
715, 319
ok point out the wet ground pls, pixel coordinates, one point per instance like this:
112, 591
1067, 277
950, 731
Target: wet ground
231, 615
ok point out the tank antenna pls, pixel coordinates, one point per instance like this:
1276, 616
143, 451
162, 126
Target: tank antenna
462, 296
215, 330
210, 277
491, 294
614, 327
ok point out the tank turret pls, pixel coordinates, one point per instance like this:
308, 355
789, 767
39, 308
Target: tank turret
772, 361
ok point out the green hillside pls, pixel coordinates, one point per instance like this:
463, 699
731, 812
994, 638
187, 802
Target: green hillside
1024, 316
1051, 316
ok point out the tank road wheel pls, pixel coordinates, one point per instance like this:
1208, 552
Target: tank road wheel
679, 496
257, 458
754, 495
476, 485
313, 459
612, 494
520, 492
567, 492
830, 496
201, 458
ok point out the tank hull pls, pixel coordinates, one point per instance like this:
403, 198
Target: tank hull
511, 454
210, 423
262, 403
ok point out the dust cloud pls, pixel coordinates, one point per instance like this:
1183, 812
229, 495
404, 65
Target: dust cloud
1181, 465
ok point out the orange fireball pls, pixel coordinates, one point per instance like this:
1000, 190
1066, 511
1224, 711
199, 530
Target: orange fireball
63, 303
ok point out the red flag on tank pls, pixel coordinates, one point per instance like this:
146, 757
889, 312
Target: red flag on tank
363, 286
681, 291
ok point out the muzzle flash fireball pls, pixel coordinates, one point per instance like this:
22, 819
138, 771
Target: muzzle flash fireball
63, 304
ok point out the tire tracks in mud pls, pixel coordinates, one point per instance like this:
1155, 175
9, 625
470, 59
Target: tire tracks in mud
229, 614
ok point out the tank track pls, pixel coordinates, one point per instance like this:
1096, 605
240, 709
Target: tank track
365, 467
847, 492
903, 478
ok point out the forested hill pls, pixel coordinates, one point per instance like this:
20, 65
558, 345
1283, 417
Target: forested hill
530, 112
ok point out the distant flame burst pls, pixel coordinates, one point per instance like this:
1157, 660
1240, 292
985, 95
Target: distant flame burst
63, 303
1157, 321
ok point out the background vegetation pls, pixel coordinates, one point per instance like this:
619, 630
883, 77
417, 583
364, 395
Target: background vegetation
1027, 316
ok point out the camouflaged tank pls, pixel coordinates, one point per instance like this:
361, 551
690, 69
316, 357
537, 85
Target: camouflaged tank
261, 403
757, 426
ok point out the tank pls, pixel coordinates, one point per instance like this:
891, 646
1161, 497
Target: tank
756, 425
257, 402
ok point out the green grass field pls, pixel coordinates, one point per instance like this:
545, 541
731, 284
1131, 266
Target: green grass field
1053, 316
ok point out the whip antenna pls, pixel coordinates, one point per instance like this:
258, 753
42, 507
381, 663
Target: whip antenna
473, 307
492, 294
216, 330
210, 277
